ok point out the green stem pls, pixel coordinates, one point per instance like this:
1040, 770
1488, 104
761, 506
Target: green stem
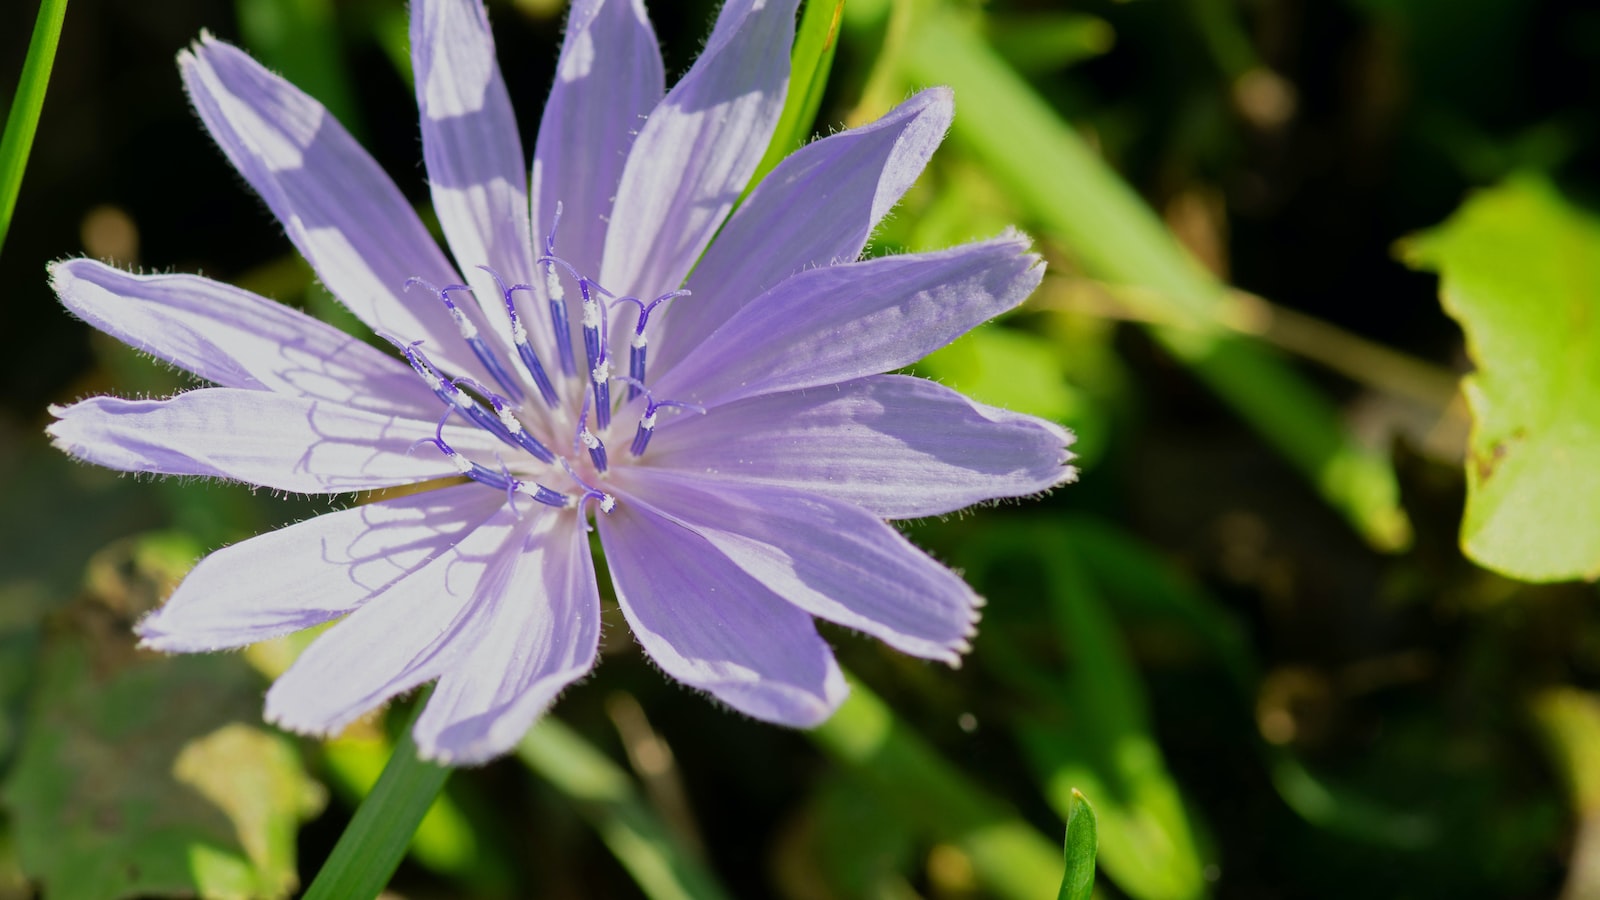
23, 120
376, 839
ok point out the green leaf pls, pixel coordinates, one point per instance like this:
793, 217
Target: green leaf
143, 776
1078, 882
1007, 368
1519, 270
604, 795
810, 62
23, 119
377, 837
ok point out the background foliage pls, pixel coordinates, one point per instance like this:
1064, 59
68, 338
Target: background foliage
1313, 623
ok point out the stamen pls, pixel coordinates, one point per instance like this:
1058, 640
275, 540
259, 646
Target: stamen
453, 397
469, 333
589, 440
647, 422
519, 337
590, 492
636, 349
508, 419
500, 480
558, 299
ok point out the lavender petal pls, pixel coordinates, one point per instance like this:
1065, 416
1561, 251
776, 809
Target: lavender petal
712, 627
898, 447
818, 207
533, 642
266, 439
342, 212
698, 149
312, 572
841, 322
237, 339
831, 559
415, 631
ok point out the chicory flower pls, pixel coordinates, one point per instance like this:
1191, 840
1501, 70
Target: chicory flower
605, 348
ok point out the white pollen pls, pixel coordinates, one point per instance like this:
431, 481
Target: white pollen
518, 333
639, 340
602, 371
463, 465
648, 423
607, 503
588, 439
552, 284
509, 420
591, 314
468, 330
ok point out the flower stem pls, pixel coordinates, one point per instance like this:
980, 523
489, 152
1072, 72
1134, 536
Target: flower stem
23, 120
376, 839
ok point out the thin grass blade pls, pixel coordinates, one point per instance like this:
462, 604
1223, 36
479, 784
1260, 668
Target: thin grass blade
23, 120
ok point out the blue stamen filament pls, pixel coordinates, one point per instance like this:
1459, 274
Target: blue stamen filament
637, 347
647, 422
519, 337
589, 440
501, 480
558, 299
469, 333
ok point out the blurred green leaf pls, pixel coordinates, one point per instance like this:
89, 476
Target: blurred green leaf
141, 776
22, 120
1147, 844
1004, 367
811, 60
1053, 174
605, 796
300, 40
1008, 857
1519, 270
1081, 844
1048, 40
375, 841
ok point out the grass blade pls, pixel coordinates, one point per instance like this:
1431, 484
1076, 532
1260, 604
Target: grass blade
604, 795
23, 120
811, 61
377, 837
1078, 882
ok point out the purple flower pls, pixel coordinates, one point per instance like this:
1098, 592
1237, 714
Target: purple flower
727, 428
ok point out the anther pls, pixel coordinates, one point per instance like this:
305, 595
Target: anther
647, 422
519, 338
557, 298
508, 420
499, 480
452, 396
469, 333
636, 348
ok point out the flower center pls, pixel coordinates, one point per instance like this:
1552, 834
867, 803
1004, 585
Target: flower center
508, 410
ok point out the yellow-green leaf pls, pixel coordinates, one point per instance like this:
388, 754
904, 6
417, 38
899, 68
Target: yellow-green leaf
1519, 269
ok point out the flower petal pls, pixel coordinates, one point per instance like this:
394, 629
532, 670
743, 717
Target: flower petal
898, 447
343, 213
238, 339
539, 636
712, 627
698, 149
831, 559
818, 207
608, 79
335, 562
412, 633
271, 440
841, 322
476, 170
